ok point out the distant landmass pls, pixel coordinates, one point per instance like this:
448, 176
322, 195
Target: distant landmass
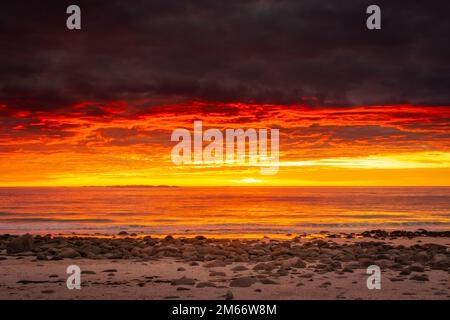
135, 186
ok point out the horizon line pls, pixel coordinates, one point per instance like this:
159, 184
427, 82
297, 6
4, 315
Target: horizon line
232, 186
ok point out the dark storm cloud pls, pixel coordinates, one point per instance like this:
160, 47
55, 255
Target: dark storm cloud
292, 51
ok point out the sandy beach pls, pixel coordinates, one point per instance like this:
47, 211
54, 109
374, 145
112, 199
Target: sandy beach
414, 265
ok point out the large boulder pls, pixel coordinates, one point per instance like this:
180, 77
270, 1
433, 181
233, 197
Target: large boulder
20, 244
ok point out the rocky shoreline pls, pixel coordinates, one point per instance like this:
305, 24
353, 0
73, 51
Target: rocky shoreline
201, 248
410, 258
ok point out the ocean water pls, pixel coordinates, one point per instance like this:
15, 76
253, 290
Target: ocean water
229, 211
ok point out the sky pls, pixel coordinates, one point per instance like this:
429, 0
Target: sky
97, 106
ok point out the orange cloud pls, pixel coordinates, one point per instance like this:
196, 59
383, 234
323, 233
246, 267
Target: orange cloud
124, 142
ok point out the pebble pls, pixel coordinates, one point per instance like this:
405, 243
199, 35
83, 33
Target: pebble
420, 277
229, 295
48, 291
88, 272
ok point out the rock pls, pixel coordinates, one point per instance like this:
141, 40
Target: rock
283, 272
166, 250
181, 269
405, 272
299, 264
137, 252
383, 263
323, 268
242, 282
420, 257
190, 255
20, 244
267, 281
264, 266
352, 265
307, 275
41, 257
48, 291
88, 272
215, 264
183, 282
147, 251
205, 284
440, 261
115, 255
229, 295
347, 269
294, 263
169, 238
110, 270
217, 274
416, 267
281, 252
68, 253
239, 268
26, 254
365, 262
257, 252
403, 260
182, 289
420, 277
123, 233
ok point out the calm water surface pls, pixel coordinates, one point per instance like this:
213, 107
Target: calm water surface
221, 211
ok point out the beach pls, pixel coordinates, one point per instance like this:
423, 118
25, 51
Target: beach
414, 265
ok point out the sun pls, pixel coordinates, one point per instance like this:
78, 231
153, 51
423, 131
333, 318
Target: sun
248, 180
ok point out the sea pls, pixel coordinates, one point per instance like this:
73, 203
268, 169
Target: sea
221, 211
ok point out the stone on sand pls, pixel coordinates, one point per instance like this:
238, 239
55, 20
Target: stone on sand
215, 264
239, 268
267, 281
205, 284
68, 253
242, 282
229, 295
416, 267
183, 281
88, 272
420, 277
